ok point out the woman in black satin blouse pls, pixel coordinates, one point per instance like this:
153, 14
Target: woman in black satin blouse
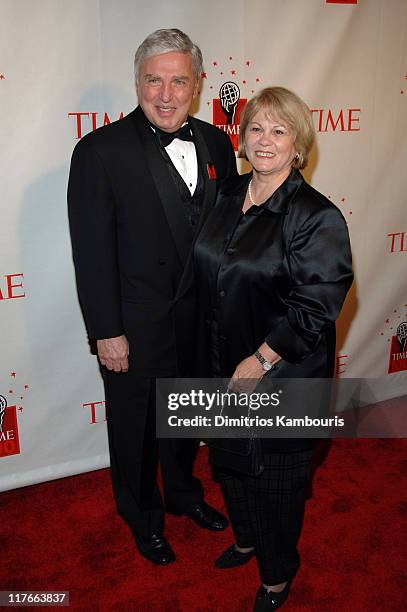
273, 265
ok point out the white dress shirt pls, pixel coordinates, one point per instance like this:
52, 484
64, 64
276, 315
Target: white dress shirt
183, 155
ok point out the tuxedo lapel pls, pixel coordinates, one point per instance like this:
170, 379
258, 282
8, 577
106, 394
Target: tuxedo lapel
166, 188
170, 199
205, 163
208, 200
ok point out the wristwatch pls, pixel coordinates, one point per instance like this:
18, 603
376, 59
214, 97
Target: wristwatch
266, 365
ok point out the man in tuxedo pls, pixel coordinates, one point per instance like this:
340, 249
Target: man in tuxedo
139, 192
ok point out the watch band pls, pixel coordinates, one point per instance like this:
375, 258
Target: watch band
266, 365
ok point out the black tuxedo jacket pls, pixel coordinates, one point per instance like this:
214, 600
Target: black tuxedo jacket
132, 242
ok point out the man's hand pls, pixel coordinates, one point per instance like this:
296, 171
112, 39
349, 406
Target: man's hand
113, 353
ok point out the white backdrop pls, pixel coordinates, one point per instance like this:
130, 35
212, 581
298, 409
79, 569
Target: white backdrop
348, 60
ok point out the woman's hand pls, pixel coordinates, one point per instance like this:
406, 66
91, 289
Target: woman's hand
247, 375
249, 372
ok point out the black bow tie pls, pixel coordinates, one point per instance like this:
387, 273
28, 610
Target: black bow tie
166, 138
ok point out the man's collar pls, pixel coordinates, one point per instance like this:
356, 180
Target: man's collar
166, 138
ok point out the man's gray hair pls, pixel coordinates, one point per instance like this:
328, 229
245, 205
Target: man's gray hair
165, 41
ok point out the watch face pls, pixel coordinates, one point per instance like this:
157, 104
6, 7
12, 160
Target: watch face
267, 366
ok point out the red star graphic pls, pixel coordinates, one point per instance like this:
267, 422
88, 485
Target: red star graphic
208, 103
247, 62
26, 387
204, 75
230, 57
215, 63
244, 82
21, 408
257, 80
10, 391
21, 397
2, 77
233, 72
350, 212
13, 374
387, 320
342, 199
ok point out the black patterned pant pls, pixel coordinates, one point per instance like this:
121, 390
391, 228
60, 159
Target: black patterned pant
267, 511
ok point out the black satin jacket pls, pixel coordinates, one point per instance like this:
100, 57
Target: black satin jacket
278, 273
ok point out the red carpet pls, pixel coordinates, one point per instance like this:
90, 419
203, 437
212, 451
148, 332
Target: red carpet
66, 535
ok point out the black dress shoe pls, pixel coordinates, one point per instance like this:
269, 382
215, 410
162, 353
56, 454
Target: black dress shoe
233, 558
207, 517
156, 549
269, 600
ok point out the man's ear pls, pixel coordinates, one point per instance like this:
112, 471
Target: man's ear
196, 89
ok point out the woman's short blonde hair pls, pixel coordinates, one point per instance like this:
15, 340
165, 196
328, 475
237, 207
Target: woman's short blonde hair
285, 106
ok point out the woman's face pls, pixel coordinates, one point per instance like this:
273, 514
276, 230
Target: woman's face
269, 145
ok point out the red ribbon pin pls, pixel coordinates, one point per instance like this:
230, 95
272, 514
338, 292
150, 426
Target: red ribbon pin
211, 172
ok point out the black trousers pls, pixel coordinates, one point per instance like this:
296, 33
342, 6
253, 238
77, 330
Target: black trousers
267, 511
135, 453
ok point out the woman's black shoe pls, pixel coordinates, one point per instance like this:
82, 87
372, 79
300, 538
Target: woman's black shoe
231, 557
269, 600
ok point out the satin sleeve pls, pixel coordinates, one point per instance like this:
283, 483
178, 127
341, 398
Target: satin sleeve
319, 267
